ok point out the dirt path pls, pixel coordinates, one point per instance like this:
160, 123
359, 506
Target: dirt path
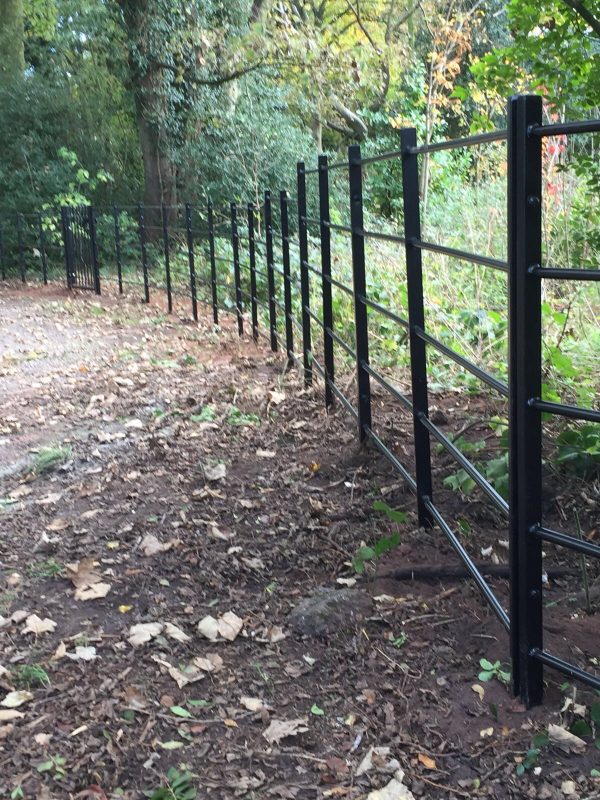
196, 490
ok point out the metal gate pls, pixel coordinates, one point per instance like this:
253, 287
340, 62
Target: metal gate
81, 252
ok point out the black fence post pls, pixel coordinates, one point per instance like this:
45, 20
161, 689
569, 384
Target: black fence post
191, 259
304, 278
142, 234
94, 248
525, 370
20, 246
42, 241
416, 319
67, 244
235, 245
270, 271
118, 248
325, 232
252, 261
213, 263
287, 279
360, 290
165, 231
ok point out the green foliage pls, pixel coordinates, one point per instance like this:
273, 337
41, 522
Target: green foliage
491, 670
384, 544
578, 451
55, 766
237, 417
27, 676
49, 458
530, 760
178, 786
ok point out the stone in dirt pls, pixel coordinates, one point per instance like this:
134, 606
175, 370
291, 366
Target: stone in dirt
329, 611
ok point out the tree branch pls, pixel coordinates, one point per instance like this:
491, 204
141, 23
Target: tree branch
578, 7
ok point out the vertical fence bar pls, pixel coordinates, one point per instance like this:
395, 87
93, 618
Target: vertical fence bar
235, 245
270, 270
325, 232
191, 260
142, 234
20, 246
252, 261
118, 247
287, 279
165, 231
304, 278
94, 248
416, 318
66, 232
360, 290
213, 262
2, 259
42, 242
525, 383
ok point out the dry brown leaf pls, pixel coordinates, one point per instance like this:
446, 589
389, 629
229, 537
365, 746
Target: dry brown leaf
229, 625
173, 632
150, 545
209, 627
16, 699
212, 662
8, 714
564, 739
252, 703
37, 626
86, 580
144, 632
427, 762
58, 524
189, 674
282, 728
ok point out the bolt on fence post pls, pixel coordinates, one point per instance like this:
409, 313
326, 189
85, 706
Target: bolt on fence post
20, 245
213, 262
270, 271
252, 260
191, 260
287, 280
361, 320
67, 244
416, 319
142, 234
42, 239
118, 248
235, 245
525, 370
304, 278
94, 248
325, 232
165, 231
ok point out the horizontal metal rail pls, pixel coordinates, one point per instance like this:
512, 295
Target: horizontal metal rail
573, 412
385, 311
463, 255
341, 397
467, 141
385, 451
340, 285
496, 384
314, 317
564, 540
469, 564
342, 343
393, 390
468, 467
384, 237
566, 274
340, 228
328, 167
566, 668
565, 128
381, 157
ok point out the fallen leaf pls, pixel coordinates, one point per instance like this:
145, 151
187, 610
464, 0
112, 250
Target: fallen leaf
564, 739
172, 745
134, 698
179, 711
394, 790
230, 723
6, 715
229, 625
282, 728
427, 762
215, 472
58, 524
83, 654
182, 677
42, 738
212, 662
37, 626
60, 652
151, 545
86, 580
479, 690
144, 632
173, 632
485, 733
209, 627
275, 397
265, 453
16, 699
252, 703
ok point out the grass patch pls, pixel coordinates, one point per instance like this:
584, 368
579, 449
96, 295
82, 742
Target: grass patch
28, 676
49, 458
50, 568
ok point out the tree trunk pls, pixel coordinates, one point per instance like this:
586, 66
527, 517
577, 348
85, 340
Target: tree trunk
12, 58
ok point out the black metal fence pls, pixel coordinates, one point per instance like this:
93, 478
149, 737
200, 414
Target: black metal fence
247, 260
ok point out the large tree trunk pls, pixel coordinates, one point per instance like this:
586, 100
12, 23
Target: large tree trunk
146, 79
12, 58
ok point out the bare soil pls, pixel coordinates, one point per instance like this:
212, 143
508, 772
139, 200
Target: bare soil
146, 407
